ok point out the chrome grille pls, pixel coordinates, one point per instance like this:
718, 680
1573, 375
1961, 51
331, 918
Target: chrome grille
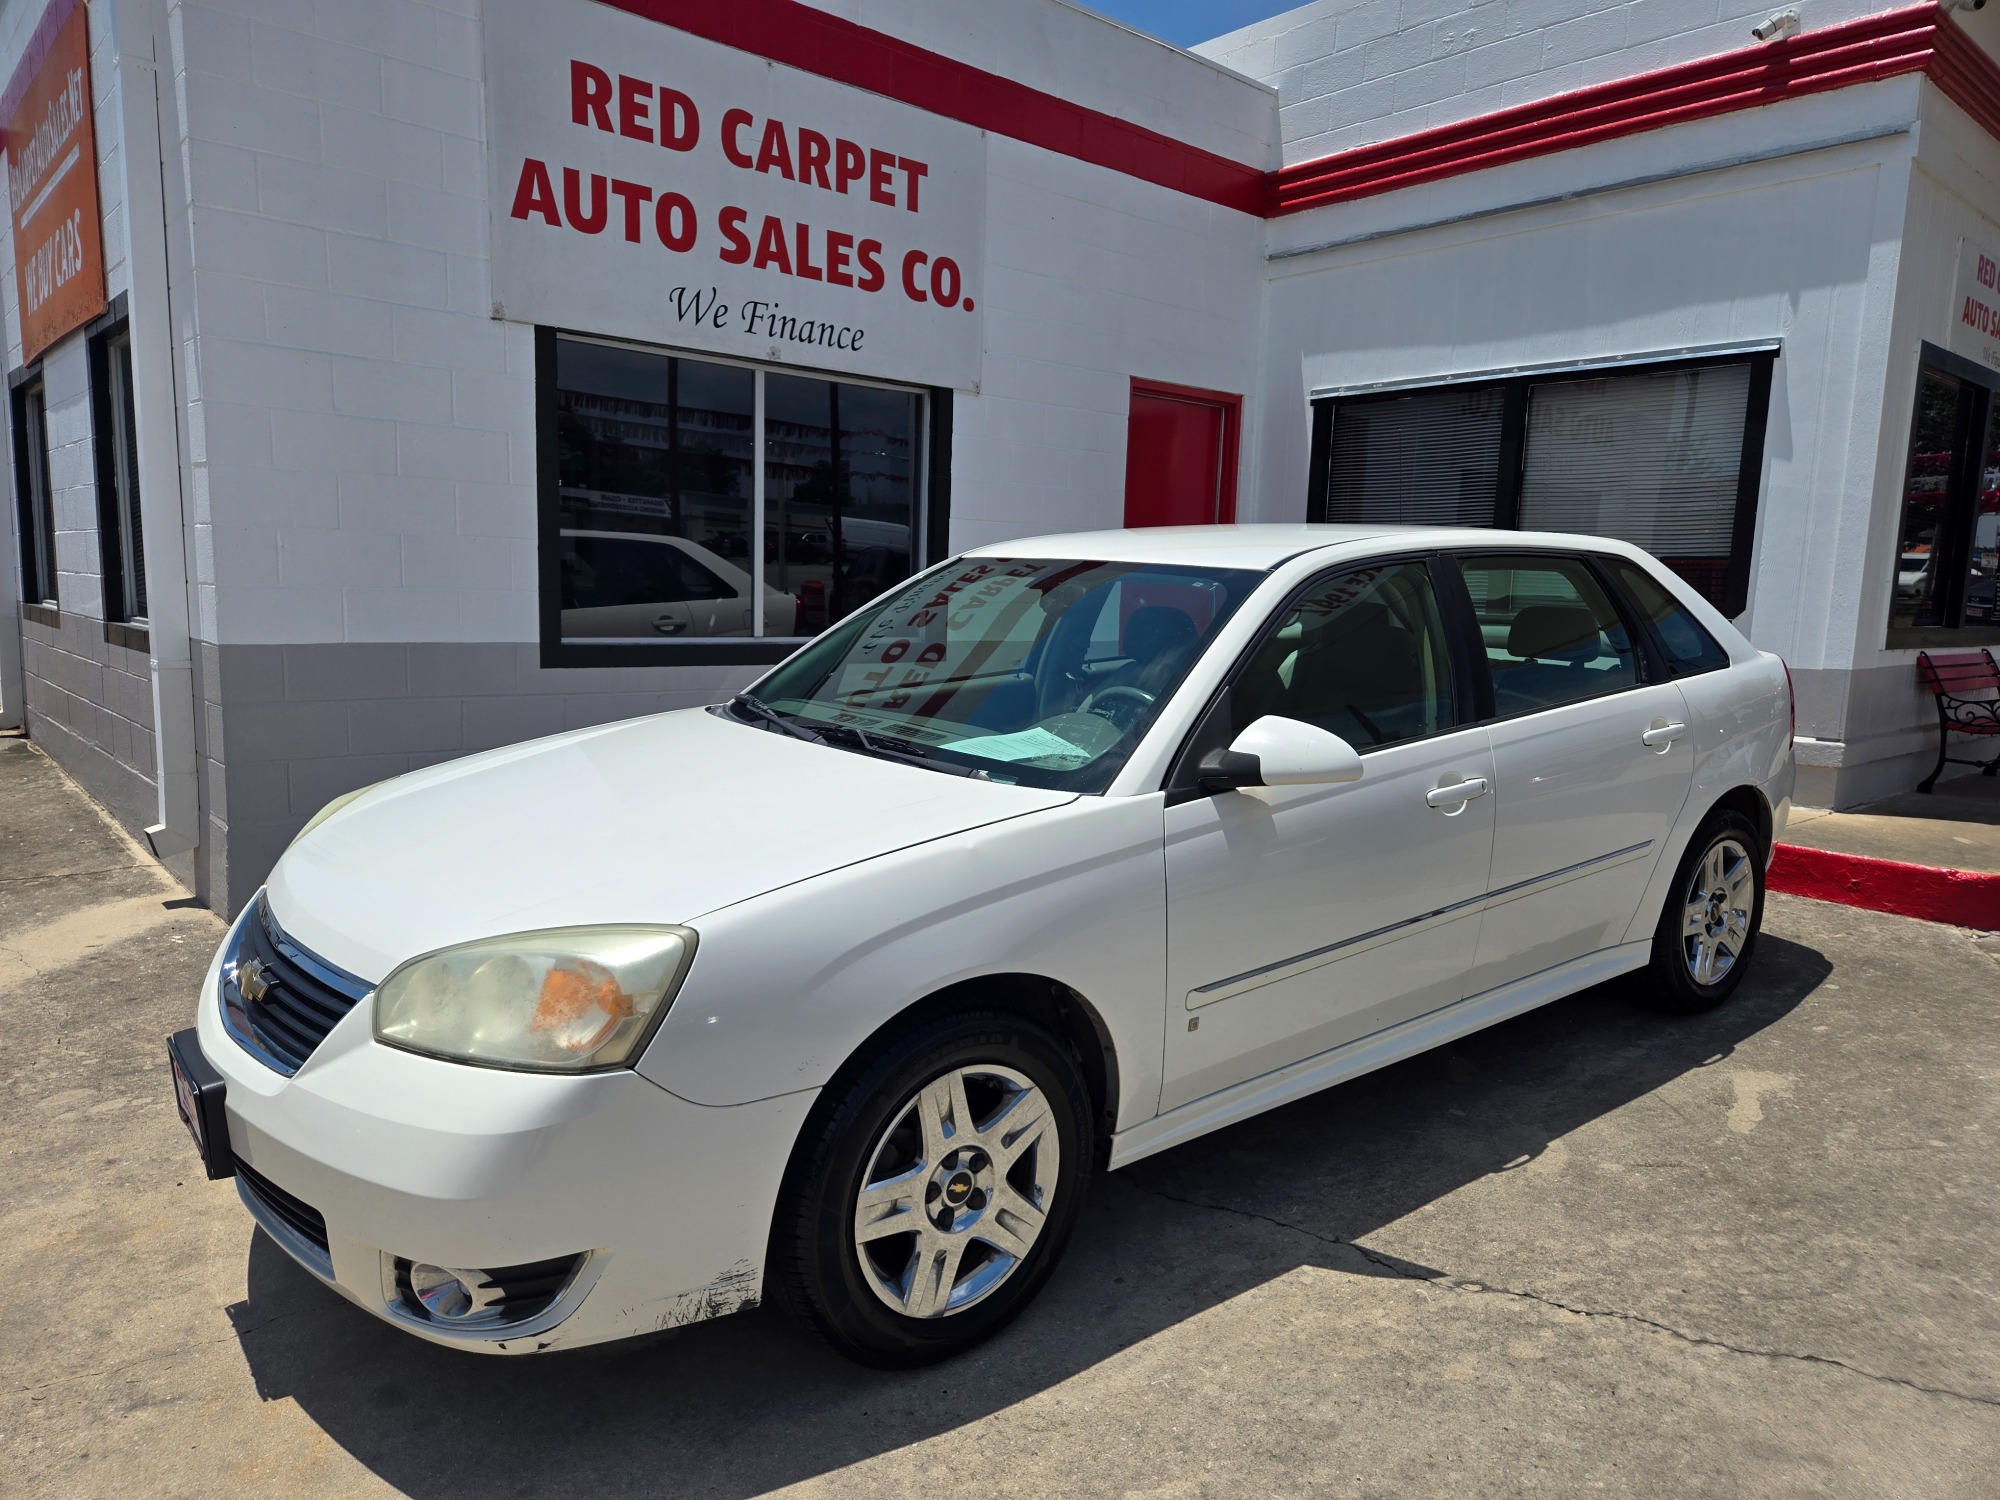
301, 996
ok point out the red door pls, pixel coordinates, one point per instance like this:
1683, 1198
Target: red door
1180, 456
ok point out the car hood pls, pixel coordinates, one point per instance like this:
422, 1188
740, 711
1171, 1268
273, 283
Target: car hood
654, 820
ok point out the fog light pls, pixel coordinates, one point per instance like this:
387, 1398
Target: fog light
477, 1301
444, 1294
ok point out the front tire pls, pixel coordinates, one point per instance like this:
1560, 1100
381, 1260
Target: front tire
929, 1199
1715, 909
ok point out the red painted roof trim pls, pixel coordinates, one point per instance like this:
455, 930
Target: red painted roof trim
1965, 75
1917, 38
803, 37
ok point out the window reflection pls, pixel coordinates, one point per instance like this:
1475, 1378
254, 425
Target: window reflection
1927, 502
656, 475
841, 483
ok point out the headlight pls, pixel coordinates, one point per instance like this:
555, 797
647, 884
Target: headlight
562, 1001
335, 806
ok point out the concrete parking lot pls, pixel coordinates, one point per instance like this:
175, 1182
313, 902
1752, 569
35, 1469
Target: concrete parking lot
1592, 1250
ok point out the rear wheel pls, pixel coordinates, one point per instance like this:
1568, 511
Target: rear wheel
927, 1205
1714, 911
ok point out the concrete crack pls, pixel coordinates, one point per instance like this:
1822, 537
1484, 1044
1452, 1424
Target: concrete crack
1406, 1271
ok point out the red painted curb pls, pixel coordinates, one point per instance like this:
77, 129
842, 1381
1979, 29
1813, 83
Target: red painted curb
1964, 898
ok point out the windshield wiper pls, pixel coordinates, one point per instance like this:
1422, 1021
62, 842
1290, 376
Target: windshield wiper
758, 709
885, 748
881, 747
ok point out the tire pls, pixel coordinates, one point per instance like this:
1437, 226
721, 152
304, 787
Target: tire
1714, 911
992, 1201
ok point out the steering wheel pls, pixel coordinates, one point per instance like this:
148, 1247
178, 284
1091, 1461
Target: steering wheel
1094, 704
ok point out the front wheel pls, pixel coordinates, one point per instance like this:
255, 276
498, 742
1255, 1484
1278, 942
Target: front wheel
927, 1205
1715, 909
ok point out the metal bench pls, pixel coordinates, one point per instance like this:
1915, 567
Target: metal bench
1953, 680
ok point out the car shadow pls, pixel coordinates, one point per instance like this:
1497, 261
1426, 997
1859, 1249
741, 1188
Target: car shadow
750, 1403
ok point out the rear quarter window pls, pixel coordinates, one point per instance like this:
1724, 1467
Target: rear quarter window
1690, 648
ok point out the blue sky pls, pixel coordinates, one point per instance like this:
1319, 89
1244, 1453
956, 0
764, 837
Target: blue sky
1187, 21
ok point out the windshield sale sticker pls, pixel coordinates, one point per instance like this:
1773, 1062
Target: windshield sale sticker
651, 184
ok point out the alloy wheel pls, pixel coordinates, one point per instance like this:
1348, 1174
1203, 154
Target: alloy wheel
956, 1190
1717, 907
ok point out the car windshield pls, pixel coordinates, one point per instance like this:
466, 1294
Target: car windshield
1043, 672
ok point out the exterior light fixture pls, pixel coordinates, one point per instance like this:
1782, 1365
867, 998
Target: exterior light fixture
1783, 23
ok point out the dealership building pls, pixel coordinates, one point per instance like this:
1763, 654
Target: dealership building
395, 379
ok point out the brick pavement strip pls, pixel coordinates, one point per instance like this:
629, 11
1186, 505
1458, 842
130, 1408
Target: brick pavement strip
1746, 1254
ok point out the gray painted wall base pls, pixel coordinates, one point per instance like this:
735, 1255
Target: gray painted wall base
289, 728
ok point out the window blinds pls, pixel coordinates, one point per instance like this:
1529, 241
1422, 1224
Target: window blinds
1648, 459
1431, 458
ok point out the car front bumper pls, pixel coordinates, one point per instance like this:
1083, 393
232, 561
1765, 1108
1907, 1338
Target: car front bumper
406, 1157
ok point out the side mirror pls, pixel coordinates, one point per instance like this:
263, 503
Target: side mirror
1280, 752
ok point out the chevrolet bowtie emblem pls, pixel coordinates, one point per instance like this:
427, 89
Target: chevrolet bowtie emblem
253, 980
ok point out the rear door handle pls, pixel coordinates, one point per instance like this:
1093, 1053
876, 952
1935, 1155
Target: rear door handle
1458, 793
1662, 735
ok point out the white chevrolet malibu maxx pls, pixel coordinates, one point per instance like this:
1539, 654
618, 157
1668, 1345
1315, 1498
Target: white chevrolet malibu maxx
1061, 854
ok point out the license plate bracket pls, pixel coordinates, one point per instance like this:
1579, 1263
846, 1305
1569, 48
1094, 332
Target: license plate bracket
198, 1095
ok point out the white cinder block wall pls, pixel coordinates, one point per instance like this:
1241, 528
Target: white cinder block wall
1806, 249
361, 430
1351, 72
357, 453
87, 699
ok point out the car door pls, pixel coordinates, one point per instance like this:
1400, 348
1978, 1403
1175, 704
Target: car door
1300, 918
1591, 763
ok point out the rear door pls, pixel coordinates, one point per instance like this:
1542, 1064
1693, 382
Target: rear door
1300, 918
1591, 763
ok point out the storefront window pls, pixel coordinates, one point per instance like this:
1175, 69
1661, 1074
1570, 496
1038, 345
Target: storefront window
1948, 539
840, 491
118, 529
664, 530
1664, 456
31, 493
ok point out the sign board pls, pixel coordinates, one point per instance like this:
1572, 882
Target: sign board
1975, 307
652, 185
52, 180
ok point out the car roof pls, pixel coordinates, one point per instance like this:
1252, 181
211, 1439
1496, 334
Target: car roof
631, 536
1265, 546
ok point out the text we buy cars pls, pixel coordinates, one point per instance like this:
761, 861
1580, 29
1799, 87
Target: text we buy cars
590, 202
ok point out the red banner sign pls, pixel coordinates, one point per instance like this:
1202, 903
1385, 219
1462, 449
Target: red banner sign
52, 180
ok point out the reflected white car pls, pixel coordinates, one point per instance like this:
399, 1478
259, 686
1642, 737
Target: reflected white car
633, 585
1061, 854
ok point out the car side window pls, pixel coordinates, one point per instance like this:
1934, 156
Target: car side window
1550, 634
1364, 654
1690, 649
695, 581
604, 572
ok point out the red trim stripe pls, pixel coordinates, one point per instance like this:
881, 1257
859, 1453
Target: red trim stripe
1965, 75
802, 37
1874, 47
1964, 898
1915, 38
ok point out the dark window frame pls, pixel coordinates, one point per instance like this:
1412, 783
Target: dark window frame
1513, 443
1650, 665
1471, 693
1980, 397
120, 538
933, 506
35, 512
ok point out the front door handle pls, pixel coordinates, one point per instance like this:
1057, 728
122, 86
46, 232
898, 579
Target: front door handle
1662, 735
1458, 793
669, 625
